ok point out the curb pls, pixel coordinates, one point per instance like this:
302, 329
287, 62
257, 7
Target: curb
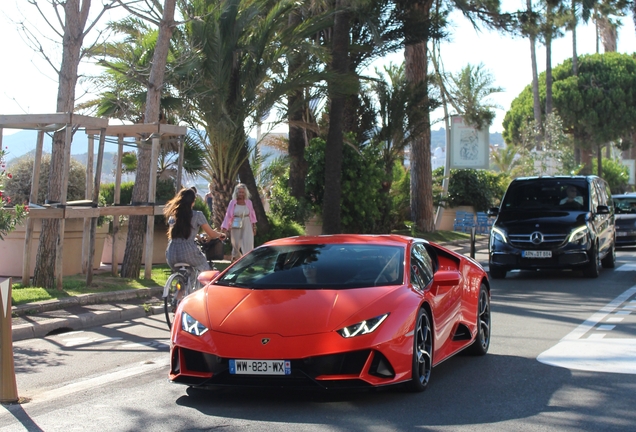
39, 327
85, 299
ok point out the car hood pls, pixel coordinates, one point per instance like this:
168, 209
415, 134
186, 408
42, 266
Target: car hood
545, 221
286, 312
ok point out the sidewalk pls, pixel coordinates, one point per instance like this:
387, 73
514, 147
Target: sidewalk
40, 319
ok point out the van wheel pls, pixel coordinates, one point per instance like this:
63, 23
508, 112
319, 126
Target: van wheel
609, 261
594, 268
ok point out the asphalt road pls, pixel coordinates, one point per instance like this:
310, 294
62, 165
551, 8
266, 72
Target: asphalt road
561, 359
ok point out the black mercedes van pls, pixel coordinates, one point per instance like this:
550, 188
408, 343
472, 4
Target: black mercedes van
561, 222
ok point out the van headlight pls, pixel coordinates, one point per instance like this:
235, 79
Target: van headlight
579, 236
498, 234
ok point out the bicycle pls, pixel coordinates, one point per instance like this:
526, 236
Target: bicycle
183, 281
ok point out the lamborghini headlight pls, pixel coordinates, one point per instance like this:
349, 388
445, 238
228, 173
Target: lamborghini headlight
578, 236
363, 327
191, 325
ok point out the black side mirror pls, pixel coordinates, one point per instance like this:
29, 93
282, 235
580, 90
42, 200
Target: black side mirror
493, 211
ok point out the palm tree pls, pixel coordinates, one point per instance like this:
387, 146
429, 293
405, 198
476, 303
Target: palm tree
238, 47
424, 20
469, 91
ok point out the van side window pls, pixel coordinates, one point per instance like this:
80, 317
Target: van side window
594, 196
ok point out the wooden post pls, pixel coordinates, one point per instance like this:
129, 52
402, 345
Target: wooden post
93, 227
33, 198
88, 194
8, 387
152, 187
59, 259
117, 201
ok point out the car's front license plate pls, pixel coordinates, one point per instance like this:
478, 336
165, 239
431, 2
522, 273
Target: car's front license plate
260, 367
537, 254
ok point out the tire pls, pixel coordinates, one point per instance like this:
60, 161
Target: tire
177, 285
482, 341
594, 269
497, 272
422, 353
609, 261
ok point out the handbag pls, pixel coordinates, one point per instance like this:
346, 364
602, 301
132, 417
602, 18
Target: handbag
237, 222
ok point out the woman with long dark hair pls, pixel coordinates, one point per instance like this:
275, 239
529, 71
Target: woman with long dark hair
184, 224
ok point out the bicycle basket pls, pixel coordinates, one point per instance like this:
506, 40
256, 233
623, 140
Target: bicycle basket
213, 250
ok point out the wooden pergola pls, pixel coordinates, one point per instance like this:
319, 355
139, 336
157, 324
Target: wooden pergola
142, 133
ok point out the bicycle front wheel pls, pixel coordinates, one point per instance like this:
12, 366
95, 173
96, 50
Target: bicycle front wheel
177, 285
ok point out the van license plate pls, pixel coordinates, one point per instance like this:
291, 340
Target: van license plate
260, 367
537, 254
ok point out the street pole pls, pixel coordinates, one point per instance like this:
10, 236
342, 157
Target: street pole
8, 387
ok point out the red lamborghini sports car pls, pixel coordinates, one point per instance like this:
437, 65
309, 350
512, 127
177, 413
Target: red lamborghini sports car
340, 311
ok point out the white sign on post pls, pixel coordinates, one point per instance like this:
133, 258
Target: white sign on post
469, 147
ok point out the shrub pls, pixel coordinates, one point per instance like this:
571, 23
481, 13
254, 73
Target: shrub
19, 186
279, 228
615, 174
480, 189
284, 206
362, 176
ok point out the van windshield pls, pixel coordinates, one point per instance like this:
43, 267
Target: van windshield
561, 195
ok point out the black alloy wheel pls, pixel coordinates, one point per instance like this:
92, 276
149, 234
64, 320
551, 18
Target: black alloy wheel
594, 267
482, 341
422, 353
609, 260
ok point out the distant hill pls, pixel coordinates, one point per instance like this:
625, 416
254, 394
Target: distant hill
21, 143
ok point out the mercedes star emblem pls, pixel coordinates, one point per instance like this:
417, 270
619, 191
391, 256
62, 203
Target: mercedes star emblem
265, 341
536, 237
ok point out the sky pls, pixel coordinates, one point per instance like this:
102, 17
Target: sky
28, 83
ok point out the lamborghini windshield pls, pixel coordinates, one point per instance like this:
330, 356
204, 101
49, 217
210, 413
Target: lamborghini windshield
317, 266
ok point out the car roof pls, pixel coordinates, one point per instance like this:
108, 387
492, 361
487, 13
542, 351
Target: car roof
380, 239
563, 177
625, 195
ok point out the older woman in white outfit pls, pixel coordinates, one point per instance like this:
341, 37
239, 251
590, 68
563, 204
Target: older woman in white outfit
240, 218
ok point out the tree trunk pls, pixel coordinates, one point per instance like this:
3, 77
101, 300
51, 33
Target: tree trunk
608, 34
222, 192
131, 265
535, 75
548, 74
416, 72
76, 16
333, 150
247, 176
296, 149
422, 211
575, 56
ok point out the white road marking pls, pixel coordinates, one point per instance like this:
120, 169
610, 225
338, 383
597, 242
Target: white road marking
596, 336
606, 327
90, 383
596, 353
626, 267
615, 320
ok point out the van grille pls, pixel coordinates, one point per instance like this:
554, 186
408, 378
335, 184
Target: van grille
549, 241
